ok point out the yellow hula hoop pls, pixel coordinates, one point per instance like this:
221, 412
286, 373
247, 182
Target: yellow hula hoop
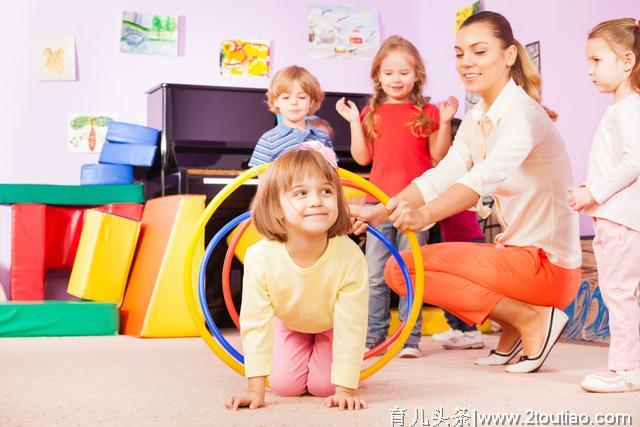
190, 281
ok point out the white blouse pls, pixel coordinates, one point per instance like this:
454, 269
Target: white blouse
614, 164
514, 154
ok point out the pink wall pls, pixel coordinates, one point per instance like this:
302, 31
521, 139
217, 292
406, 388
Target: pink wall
33, 114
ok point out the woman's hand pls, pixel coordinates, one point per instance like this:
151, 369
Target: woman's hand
406, 218
448, 109
580, 198
361, 215
250, 399
348, 110
343, 398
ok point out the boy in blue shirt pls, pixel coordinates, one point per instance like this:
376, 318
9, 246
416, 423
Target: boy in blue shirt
294, 93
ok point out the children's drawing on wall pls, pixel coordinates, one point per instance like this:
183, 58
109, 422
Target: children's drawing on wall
533, 49
149, 34
245, 57
87, 132
56, 58
465, 12
343, 32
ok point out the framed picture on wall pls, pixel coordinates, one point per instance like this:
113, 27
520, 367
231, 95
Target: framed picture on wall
533, 49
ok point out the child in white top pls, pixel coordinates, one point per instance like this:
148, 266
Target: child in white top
611, 196
303, 319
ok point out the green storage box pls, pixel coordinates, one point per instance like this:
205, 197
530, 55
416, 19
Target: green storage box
57, 318
71, 194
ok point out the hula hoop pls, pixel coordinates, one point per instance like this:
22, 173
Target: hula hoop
233, 312
226, 286
190, 281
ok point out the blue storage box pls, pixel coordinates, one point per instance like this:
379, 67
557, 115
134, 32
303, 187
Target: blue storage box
128, 154
127, 133
97, 173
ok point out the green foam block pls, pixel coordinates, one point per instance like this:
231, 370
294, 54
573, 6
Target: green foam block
71, 194
57, 318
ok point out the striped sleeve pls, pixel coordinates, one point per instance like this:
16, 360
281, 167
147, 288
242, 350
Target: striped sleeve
263, 152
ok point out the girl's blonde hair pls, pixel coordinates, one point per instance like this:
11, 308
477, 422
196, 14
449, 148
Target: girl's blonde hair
266, 211
283, 81
523, 72
421, 125
622, 35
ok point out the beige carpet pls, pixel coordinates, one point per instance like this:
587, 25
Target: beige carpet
127, 381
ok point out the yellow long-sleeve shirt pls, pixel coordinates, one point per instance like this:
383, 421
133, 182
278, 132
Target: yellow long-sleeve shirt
332, 293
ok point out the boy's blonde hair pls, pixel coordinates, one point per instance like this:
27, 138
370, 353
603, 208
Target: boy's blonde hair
421, 125
622, 35
266, 211
283, 80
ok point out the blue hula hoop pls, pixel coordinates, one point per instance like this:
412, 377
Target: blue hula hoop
221, 234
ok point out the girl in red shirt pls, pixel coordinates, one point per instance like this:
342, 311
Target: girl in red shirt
401, 133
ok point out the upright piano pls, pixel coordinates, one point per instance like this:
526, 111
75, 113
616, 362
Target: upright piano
209, 133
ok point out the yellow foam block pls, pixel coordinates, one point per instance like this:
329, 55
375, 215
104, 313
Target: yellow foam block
154, 303
105, 251
249, 237
433, 322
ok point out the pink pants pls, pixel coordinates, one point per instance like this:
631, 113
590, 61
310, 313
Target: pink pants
301, 362
617, 250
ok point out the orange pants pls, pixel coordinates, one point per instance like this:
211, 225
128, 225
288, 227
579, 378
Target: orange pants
468, 279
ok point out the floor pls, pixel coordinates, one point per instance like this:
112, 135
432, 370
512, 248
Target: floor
126, 381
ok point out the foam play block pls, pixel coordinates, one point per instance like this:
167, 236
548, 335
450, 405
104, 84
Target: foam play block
154, 302
104, 256
249, 237
128, 133
96, 173
128, 154
57, 318
77, 195
5, 247
46, 238
28, 252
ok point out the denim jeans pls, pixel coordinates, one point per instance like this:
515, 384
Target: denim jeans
379, 293
457, 323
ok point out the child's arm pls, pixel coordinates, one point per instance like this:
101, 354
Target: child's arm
256, 320
349, 331
343, 398
440, 141
580, 198
360, 148
253, 398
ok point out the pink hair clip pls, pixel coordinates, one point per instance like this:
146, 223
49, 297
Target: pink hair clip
326, 152
638, 23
